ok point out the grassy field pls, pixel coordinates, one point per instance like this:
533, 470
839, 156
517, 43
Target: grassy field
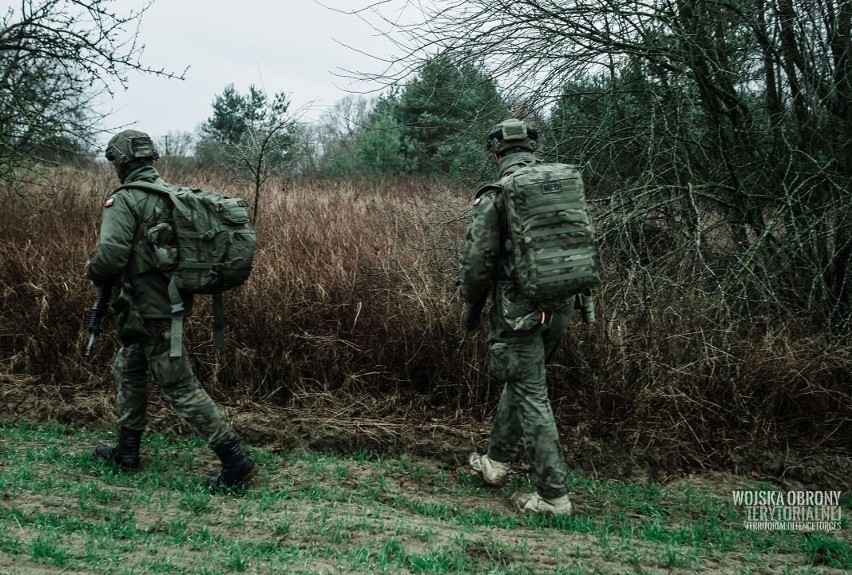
62, 512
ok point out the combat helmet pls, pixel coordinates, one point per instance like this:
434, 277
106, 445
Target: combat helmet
128, 146
511, 134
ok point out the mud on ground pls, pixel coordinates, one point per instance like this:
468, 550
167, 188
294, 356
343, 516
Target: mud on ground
397, 425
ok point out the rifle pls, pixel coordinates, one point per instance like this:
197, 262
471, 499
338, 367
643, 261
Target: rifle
96, 315
471, 320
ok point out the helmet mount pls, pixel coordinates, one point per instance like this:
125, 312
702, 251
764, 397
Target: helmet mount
510, 134
130, 145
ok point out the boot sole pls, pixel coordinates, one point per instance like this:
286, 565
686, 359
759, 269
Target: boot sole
113, 460
250, 475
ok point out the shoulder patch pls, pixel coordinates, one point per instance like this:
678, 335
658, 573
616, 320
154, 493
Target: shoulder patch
110, 201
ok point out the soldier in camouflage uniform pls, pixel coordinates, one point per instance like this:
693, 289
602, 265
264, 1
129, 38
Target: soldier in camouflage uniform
522, 338
142, 317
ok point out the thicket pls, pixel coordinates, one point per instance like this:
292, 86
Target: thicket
353, 298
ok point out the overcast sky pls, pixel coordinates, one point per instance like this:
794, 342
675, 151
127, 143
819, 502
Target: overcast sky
292, 46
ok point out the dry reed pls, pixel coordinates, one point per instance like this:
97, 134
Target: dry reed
353, 296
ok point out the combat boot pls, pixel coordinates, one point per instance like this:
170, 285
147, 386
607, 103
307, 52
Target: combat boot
492, 472
237, 467
535, 503
126, 452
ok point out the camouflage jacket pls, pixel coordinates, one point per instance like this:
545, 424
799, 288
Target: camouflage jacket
122, 215
486, 267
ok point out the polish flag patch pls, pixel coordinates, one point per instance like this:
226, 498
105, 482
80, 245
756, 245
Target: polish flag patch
110, 201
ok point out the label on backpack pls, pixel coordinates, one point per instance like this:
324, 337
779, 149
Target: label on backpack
551, 232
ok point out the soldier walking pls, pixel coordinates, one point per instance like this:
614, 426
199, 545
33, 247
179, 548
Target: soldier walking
142, 316
523, 336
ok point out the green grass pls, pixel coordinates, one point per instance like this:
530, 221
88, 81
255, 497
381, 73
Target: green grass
308, 512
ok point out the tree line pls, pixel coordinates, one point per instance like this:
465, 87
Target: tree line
718, 134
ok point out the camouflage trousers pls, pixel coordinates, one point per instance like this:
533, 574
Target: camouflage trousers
176, 381
524, 412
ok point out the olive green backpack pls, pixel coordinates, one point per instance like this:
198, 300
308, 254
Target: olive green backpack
205, 243
551, 232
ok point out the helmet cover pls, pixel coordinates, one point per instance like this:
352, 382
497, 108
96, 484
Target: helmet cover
510, 134
129, 145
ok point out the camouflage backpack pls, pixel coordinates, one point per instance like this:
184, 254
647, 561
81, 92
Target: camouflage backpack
551, 232
204, 242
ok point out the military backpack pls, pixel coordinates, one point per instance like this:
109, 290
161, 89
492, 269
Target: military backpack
202, 240
551, 232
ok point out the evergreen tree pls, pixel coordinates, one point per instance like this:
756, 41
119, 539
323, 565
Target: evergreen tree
444, 113
381, 148
250, 134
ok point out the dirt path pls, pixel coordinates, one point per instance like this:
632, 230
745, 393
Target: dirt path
395, 426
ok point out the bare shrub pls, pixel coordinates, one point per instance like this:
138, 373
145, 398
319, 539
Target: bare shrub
352, 303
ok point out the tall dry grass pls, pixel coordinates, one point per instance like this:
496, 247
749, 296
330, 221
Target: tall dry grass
353, 296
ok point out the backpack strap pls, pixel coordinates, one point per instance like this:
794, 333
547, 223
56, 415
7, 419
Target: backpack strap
147, 186
175, 298
484, 189
176, 332
136, 263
